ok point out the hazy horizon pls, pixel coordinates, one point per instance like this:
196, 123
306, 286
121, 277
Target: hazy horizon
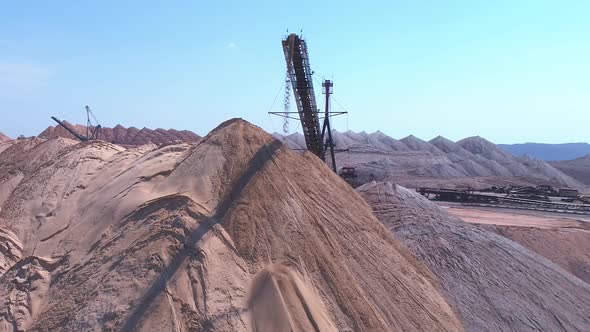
341, 131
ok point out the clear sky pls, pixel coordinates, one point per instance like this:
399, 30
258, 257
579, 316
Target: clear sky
511, 71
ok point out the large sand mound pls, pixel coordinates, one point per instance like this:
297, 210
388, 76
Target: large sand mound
494, 283
234, 232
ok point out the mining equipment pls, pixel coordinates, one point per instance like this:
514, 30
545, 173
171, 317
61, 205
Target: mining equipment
348, 172
568, 193
318, 136
92, 131
470, 197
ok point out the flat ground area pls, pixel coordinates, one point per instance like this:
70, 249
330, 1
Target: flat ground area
513, 217
563, 239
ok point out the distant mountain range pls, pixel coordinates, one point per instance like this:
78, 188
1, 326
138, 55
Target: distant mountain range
566, 151
126, 136
410, 161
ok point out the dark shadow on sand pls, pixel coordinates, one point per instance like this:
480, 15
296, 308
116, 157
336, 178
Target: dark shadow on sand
258, 161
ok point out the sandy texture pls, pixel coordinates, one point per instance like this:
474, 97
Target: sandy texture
493, 283
473, 161
126, 136
568, 248
4, 138
507, 217
277, 300
563, 240
233, 233
578, 168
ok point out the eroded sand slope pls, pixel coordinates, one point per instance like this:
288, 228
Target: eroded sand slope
234, 232
4, 138
494, 283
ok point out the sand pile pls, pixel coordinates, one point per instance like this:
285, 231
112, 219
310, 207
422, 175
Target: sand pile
492, 282
578, 168
563, 239
568, 248
440, 162
4, 138
126, 136
234, 232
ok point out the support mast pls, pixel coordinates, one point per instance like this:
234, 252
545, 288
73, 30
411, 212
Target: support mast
327, 85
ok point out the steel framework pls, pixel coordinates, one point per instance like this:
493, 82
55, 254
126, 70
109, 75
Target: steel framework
300, 75
92, 132
318, 139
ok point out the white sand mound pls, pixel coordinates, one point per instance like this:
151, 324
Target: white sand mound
493, 283
200, 236
413, 162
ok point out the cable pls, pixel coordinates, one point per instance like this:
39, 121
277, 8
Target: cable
333, 98
277, 96
272, 124
337, 102
347, 152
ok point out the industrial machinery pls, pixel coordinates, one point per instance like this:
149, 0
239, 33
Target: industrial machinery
348, 172
470, 197
71, 130
318, 136
92, 131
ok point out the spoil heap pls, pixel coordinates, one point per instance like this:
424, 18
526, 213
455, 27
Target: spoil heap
125, 136
472, 162
234, 232
4, 138
569, 248
493, 283
578, 168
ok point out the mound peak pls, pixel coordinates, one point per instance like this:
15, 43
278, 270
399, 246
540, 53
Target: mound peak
444, 144
477, 144
416, 144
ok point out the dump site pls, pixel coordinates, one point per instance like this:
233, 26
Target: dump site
234, 232
124, 229
230, 233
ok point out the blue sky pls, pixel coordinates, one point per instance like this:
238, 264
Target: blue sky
510, 71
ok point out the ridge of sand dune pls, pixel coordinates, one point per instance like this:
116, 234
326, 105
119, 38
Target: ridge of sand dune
492, 282
4, 138
200, 236
125, 136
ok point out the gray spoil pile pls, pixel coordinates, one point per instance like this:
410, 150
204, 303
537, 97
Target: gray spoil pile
493, 283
